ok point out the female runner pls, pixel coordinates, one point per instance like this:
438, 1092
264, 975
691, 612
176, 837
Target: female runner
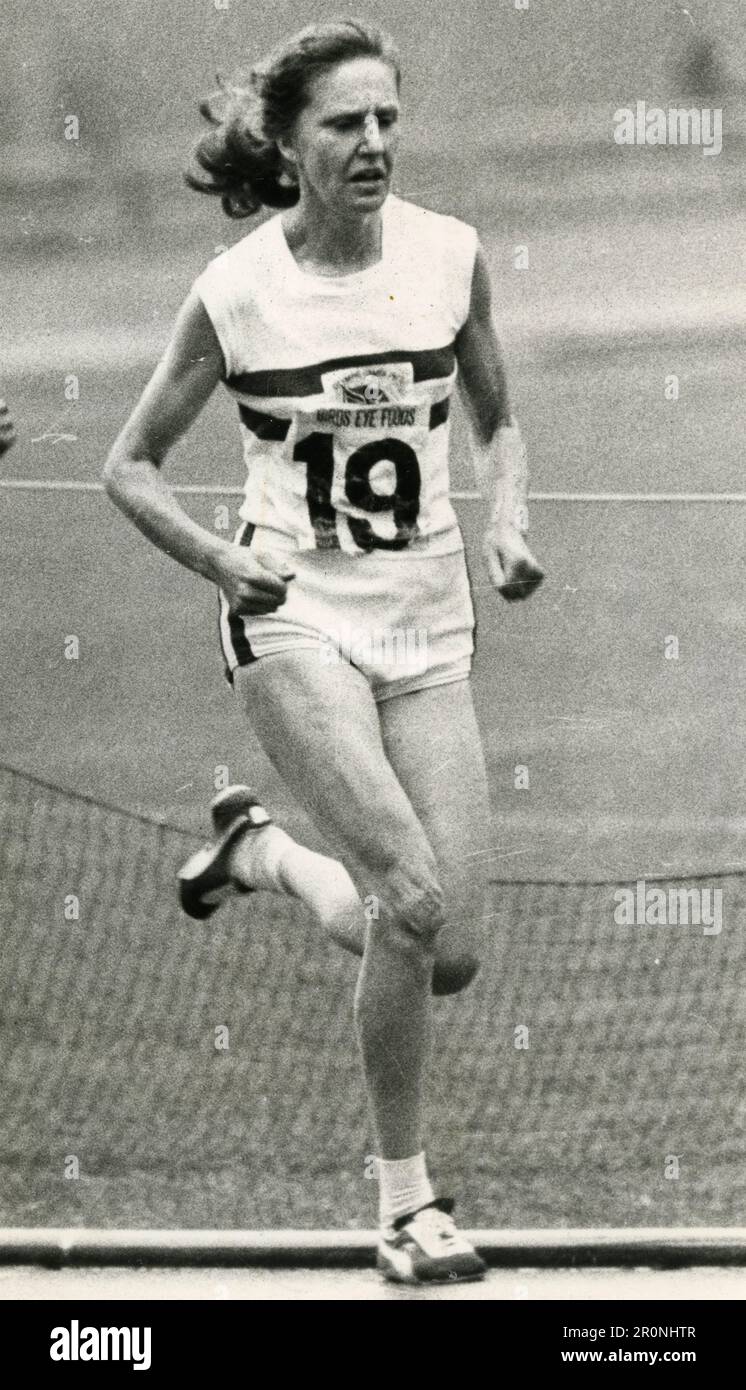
339, 327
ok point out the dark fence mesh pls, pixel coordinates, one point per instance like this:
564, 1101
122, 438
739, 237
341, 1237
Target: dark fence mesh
109, 1065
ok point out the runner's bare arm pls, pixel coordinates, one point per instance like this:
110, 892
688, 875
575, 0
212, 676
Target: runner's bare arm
499, 454
181, 385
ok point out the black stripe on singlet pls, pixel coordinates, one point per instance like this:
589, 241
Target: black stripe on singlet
263, 426
439, 413
428, 365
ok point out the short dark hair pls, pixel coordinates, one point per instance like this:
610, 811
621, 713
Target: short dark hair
240, 153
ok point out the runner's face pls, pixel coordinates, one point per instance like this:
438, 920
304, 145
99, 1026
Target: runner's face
345, 139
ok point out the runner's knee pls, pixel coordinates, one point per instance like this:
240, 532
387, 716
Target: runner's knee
453, 972
412, 909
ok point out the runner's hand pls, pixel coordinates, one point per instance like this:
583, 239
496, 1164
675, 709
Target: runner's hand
7, 432
252, 583
512, 568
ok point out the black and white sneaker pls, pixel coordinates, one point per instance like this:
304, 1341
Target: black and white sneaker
427, 1248
204, 880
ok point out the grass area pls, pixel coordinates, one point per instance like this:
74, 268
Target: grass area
108, 1052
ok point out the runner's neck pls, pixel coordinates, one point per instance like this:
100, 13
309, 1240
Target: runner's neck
322, 245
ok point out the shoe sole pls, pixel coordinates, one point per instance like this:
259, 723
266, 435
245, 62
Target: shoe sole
386, 1266
412, 1281
204, 882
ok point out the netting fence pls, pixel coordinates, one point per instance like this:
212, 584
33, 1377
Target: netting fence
161, 1072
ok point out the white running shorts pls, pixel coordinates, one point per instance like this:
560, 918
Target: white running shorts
405, 622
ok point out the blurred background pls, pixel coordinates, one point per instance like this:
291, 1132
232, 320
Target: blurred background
636, 762
634, 259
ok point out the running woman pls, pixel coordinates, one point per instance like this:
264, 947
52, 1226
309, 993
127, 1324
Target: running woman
339, 327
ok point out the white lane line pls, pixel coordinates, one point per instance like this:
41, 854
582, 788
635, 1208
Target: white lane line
465, 495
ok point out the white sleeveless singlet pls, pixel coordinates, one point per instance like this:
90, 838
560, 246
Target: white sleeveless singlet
344, 384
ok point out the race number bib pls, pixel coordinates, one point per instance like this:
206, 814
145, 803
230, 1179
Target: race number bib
362, 451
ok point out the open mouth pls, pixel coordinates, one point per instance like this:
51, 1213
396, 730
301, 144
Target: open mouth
369, 176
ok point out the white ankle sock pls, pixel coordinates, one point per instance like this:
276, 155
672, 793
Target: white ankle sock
255, 859
272, 860
404, 1187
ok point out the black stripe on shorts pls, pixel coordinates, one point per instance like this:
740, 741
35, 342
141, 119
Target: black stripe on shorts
239, 640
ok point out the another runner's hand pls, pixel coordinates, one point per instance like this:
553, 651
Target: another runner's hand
512, 568
7, 432
252, 583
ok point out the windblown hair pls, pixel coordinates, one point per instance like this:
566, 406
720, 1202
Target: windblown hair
240, 154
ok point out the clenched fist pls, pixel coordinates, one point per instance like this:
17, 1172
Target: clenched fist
512, 568
252, 583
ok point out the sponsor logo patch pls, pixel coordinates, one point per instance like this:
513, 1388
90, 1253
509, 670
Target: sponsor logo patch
371, 386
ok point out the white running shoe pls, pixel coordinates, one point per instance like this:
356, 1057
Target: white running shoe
427, 1248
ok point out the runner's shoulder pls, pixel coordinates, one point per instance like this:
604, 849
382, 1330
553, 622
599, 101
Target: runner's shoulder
249, 254
438, 227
